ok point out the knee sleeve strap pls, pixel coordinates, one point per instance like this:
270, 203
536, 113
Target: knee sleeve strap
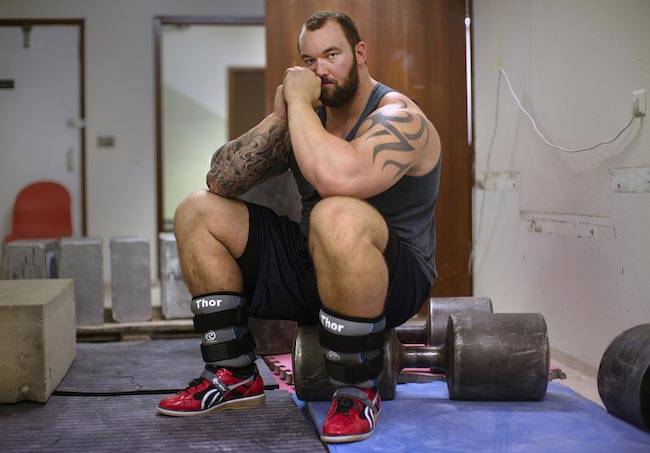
354, 348
218, 311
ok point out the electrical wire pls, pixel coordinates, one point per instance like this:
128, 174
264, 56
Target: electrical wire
579, 150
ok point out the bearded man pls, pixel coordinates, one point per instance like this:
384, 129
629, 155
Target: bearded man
366, 161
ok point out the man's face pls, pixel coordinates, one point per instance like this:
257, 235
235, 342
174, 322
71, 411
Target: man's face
327, 52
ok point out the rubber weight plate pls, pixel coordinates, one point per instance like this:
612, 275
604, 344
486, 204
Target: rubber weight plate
624, 376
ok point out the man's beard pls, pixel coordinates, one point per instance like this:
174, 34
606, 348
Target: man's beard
341, 94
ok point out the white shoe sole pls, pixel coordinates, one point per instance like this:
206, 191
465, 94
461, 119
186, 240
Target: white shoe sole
239, 403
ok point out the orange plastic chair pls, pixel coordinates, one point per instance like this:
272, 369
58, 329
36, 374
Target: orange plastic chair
41, 211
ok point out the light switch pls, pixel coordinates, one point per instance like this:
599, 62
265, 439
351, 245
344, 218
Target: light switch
105, 141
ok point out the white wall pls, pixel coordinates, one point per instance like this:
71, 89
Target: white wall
121, 181
564, 234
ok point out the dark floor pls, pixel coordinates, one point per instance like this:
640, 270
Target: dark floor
107, 401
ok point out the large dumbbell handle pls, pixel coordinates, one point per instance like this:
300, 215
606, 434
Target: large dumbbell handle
420, 356
503, 356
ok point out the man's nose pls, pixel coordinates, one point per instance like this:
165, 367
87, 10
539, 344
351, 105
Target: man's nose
321, 68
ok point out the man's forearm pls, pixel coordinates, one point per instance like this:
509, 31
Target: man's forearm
250, 159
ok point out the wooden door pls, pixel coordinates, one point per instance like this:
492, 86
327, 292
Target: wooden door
418, 48
245, 99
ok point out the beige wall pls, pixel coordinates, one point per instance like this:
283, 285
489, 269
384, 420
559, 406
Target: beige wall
558, 233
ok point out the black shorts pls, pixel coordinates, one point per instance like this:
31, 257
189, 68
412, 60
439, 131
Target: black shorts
280, 279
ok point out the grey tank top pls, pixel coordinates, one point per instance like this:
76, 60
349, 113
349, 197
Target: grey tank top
408, 206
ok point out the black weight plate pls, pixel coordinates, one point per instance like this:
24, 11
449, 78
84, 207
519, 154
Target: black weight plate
624, 376
441, 307
310, 376
501, 356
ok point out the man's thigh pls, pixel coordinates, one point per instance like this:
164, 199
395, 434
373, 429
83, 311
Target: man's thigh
279, 276
408, 287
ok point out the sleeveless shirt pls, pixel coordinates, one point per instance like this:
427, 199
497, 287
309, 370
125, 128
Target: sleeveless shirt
408, 206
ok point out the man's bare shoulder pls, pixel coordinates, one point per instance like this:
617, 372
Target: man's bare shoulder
395, 99
404, 119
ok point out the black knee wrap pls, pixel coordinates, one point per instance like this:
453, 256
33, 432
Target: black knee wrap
222, 319
240, 341
354, 348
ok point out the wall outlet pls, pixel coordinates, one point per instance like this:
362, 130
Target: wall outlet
638, 103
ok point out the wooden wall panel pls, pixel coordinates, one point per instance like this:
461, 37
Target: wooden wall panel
418, 48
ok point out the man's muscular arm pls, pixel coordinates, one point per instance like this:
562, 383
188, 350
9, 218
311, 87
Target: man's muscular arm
395, 140
249, 160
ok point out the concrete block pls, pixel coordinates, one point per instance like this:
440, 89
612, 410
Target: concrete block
38, 337
81, 260
31, 258
130, 279
175, 298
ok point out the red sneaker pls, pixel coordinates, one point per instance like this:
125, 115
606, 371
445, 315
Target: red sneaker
214, 392
352, 416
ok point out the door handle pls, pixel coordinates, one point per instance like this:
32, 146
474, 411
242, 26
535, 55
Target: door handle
69, 159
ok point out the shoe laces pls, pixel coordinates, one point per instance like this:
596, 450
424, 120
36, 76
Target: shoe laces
194, 383
344, 404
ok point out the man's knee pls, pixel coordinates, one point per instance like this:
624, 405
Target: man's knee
336, 214
191, 206
344, 221
201, 207
204, 216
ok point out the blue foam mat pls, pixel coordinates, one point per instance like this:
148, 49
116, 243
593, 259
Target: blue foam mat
422, 418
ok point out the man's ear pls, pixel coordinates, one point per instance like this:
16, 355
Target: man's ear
360, 50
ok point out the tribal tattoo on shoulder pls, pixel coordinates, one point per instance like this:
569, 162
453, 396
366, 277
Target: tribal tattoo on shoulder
403, 142
249, 160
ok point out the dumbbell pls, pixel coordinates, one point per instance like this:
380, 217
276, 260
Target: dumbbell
485, 356
433, 332
624, 376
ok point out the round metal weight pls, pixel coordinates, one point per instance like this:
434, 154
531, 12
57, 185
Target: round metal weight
433, 332
440, 308
502, 356
486, 356
309, 375
624, 376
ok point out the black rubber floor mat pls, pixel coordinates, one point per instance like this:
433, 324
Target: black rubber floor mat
139, 367
130, 424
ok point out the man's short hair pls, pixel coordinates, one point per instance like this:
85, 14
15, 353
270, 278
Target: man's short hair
317, 20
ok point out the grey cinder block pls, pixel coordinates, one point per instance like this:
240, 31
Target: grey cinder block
130, 279
38, 341
81, 259
31, 259
175, 298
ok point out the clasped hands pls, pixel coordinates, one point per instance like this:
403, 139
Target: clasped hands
299, 85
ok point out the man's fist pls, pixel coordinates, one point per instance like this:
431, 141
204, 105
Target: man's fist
301, 85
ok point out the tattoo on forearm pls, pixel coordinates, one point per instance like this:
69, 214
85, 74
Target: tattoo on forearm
404, 140
249, 160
